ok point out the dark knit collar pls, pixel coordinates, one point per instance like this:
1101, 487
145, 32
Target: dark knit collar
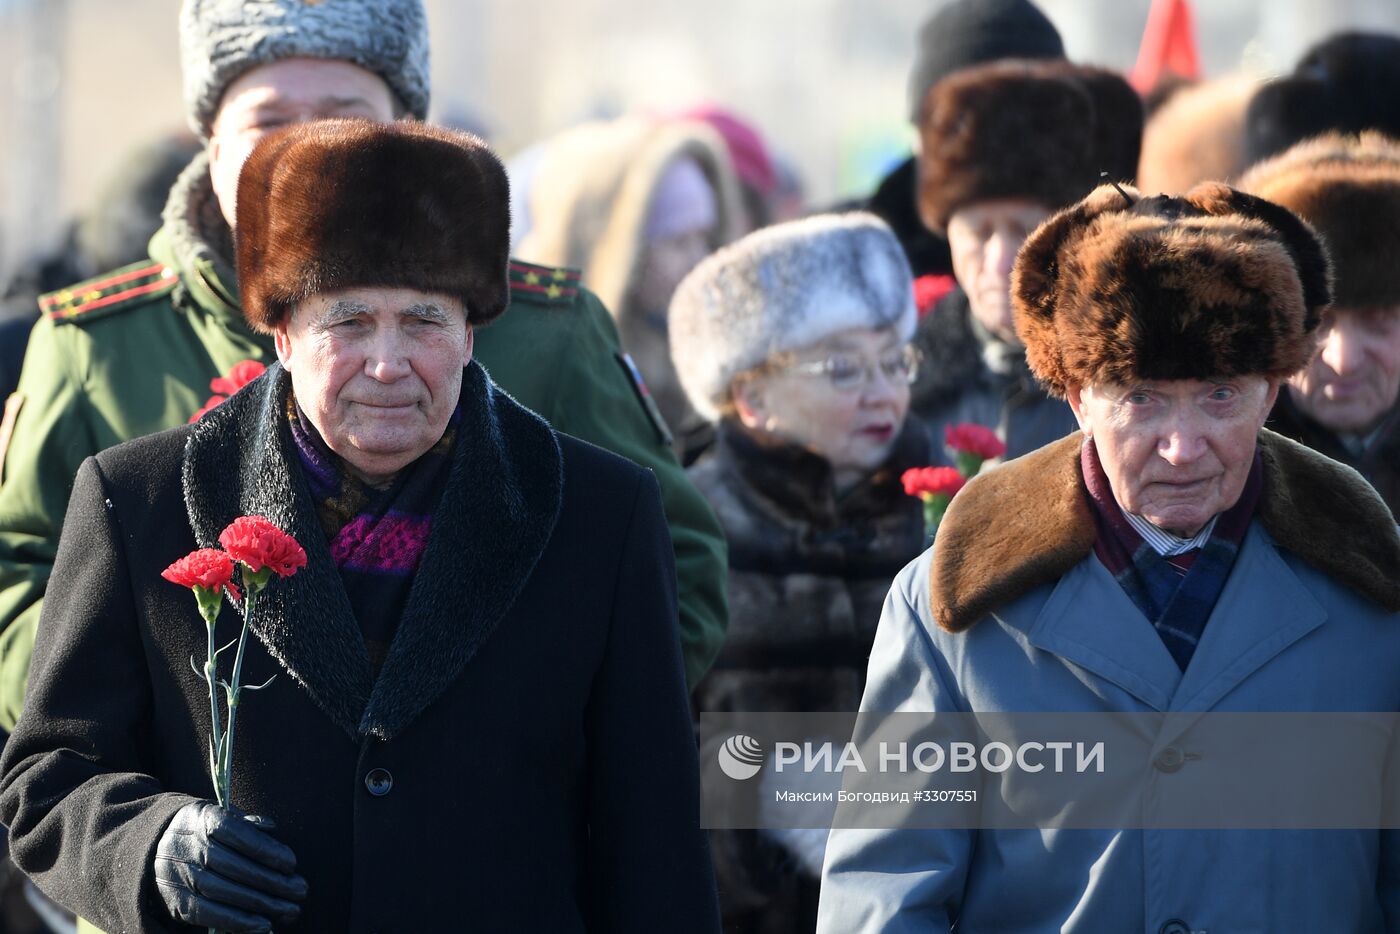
493, 522
193, 223
1289, 420
1028, 522
955, 351
799, 484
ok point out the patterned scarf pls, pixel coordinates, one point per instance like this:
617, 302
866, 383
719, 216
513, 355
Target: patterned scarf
1176, 594
376, 537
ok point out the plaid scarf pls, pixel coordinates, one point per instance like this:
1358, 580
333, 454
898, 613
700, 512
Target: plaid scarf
376, 537
1176, 594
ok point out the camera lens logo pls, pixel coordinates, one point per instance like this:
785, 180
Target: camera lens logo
741, 757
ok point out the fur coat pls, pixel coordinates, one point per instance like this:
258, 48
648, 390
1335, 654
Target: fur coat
808, 572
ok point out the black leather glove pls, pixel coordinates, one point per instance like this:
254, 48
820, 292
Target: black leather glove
214, 869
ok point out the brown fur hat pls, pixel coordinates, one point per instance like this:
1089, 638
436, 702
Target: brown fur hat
1217, 283
338, 204
1023, 129
1348, 188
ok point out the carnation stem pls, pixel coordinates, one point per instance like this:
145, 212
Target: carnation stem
210, 677
236, 685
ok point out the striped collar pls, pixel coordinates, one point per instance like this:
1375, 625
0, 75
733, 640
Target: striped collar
1165, 543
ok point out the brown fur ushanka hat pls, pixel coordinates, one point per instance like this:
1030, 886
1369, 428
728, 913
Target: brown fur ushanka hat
338, 204
1024, 129
1348, 188
1215, 284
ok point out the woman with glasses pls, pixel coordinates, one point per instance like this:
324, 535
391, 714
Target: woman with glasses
795, 342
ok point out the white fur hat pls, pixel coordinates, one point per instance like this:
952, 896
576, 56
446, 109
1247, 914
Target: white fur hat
783, 288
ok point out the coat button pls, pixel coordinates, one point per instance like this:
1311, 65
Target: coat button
1175, 927
379, 782
1169, 760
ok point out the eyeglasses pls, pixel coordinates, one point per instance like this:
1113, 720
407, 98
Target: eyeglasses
848, 371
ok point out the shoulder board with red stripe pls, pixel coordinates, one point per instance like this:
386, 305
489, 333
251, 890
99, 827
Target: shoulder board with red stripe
543, 283
120, 289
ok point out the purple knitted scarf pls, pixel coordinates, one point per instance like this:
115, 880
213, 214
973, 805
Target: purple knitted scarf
376, 537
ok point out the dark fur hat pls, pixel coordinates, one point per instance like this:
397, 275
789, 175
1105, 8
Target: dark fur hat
1348, 188
1347, 83
1022, 129
1119, 118
341, 204
1217, 283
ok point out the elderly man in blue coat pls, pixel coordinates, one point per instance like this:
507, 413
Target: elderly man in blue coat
1171, 556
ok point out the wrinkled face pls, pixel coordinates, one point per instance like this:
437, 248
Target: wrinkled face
984, 237
1176, 452
843, 398
377, 371
1353, 381
281, 93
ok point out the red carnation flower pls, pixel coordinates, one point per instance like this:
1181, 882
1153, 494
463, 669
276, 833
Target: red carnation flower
969, 438
259, 544
241, 375
209, 568
926, 482
930, 290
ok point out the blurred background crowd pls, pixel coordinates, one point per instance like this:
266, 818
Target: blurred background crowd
85, 83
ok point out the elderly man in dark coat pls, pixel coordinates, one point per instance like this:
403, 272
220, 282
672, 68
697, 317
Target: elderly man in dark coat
478, 716
1004, 145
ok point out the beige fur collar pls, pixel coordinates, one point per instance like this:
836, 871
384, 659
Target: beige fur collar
1028, 522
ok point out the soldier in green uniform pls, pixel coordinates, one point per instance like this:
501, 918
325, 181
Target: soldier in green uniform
135, 351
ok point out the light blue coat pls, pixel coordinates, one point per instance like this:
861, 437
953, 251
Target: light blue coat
1283, 637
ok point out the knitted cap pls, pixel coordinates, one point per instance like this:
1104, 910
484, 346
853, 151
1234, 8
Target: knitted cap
972, 32
1215, 284
783, 288
1348, 188
222, 39
338, 204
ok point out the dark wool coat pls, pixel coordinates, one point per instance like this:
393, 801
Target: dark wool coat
955, 385
1379, 462
808, 573
531, 716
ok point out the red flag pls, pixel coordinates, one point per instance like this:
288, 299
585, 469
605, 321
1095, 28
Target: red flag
1168, 46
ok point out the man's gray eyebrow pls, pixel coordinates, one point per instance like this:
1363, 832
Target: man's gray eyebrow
426, 310
343, 309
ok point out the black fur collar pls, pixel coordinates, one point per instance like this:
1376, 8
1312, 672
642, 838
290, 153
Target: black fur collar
493, 522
